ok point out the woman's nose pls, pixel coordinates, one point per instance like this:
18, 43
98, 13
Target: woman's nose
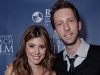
37, 51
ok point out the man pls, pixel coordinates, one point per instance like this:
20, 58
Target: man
66, 23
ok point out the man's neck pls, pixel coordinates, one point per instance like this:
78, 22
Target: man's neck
72, 49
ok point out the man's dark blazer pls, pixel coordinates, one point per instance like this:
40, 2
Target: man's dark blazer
90, 66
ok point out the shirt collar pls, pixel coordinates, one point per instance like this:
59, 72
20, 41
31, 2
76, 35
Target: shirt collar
81, 52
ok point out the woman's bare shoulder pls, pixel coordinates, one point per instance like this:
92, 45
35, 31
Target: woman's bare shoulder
8, 70
54, 73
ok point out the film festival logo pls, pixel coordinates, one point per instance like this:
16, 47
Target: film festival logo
37, 17
6, 45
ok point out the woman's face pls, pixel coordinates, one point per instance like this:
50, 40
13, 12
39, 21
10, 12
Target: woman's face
35, 50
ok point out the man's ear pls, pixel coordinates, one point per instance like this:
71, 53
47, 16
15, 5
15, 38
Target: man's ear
80, 25
55, 32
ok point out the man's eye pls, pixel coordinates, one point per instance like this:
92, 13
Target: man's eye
59, 24
71, 20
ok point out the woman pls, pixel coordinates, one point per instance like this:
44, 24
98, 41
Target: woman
34, 55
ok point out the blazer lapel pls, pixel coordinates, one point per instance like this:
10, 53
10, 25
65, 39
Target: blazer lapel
83, 64
65, 64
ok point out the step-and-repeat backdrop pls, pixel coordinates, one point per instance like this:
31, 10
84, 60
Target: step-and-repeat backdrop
17, 15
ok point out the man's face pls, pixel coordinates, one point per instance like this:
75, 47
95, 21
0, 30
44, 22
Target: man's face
66, 26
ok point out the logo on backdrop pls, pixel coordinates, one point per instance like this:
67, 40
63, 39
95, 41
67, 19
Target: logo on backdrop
47, 17
6, 45
37, 17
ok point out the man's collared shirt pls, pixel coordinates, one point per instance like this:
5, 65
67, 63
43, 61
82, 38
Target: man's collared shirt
81, 52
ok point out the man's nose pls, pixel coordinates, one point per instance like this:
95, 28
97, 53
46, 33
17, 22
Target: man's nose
66, 27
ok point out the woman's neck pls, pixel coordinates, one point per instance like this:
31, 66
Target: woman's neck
37, 69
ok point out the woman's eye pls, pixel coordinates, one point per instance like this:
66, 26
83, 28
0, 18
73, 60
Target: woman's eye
42, 47
31, 46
